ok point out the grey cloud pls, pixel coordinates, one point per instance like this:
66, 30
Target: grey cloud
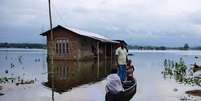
135, 21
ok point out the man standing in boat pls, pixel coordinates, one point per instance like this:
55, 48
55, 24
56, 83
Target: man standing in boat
121, 59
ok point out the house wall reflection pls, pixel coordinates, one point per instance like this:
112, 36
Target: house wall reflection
69, 74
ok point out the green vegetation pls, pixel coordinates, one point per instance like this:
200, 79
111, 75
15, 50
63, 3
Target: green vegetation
180, 72
22, 45
43, 46
6, 80
185, 47
147, 47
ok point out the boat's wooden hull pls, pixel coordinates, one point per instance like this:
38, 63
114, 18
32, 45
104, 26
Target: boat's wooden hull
130, 90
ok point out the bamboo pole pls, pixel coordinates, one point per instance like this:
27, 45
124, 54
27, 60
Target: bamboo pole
51, 48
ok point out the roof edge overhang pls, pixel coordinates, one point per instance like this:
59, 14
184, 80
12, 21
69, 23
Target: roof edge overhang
92, 37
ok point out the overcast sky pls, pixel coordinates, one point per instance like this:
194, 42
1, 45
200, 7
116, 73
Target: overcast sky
140, 22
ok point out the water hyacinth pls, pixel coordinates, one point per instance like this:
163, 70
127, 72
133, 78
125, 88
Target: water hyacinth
6, 80
180, 72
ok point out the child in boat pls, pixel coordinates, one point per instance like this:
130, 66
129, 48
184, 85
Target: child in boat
114, 84
130, 70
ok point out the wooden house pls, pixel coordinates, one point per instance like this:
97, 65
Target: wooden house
74, 44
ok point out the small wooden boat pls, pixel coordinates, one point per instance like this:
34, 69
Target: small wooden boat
129, 91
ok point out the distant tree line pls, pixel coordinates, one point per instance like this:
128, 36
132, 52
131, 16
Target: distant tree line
185, 47
138, 47
147, 47
23, 45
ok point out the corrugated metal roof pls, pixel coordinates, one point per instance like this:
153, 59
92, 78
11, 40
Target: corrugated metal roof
87, 34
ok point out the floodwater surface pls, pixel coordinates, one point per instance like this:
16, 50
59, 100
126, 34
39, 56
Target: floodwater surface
26, 75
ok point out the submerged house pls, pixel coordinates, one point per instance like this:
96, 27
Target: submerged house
74, 44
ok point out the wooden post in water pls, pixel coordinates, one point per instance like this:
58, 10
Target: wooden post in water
52, 49
105, 65
111, 57
98, 59
105, 51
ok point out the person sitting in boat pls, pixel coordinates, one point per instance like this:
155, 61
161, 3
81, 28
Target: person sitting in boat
113, 84
130, 70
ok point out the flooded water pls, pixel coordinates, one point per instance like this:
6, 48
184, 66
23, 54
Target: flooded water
70, 74
29, 77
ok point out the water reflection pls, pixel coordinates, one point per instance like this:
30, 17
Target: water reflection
69, 74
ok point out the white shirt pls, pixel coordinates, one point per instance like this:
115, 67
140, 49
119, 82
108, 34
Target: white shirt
114, 84
122, 54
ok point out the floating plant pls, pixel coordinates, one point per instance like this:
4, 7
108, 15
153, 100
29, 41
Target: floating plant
6, 80
12, 65
37, 60
20, 59
180, 72
6, 71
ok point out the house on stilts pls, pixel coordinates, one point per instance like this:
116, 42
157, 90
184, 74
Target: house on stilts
74, 44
